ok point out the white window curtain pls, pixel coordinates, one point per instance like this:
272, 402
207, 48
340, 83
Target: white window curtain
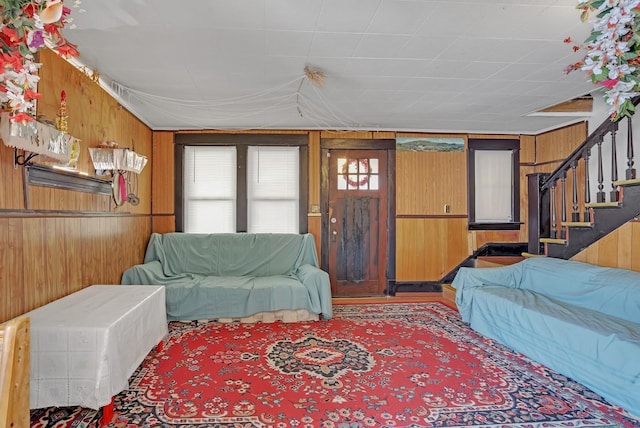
273, 189
209, 189
493, 185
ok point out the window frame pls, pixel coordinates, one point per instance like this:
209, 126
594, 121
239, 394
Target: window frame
242, 143
478, 144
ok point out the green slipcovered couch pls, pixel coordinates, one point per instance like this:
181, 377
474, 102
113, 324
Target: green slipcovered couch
234, 275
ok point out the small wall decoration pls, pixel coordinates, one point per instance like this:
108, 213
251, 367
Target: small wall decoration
430, 144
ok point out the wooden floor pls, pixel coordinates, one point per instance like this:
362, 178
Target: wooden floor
444, 297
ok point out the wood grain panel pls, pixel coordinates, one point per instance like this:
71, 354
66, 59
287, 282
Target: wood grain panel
45, 258
383, 135
73, 240
620, 248
314, 169
558, 144
34, 235
426, 249
162, 196
527, 149
163, 223
15, 270
314, 227
11, 195
427, 181
482, 237
359, 135
5, 268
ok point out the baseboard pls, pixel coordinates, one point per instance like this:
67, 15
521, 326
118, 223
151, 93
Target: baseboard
413, 287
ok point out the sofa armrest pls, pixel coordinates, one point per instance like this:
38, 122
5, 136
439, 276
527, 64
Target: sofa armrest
149, 273
317, 283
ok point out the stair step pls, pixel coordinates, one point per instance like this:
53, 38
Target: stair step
577, 223
530, 255
603, 205
553, 241
449, 294
627, 182
494, 261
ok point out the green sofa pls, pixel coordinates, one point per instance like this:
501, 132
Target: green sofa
234, 275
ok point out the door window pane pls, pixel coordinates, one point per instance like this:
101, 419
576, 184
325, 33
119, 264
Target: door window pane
357, 174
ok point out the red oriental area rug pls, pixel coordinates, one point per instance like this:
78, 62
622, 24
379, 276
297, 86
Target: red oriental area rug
382, 365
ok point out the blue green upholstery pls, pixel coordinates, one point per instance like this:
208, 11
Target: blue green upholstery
233, 275
579, 319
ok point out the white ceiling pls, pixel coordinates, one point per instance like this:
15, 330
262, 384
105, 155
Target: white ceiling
406, 65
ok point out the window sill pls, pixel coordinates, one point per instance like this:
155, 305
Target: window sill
494, 226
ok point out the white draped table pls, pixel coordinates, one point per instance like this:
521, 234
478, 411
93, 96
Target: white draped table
85, 346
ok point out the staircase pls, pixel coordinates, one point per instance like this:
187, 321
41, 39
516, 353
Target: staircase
562, 223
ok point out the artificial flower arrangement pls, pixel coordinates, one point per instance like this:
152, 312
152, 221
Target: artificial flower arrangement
28, 26
612, 59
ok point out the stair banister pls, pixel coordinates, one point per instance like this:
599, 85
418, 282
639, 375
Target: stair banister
613, 195
600, 194
578, 153
587, 186
543, 197
631, 171
575, 214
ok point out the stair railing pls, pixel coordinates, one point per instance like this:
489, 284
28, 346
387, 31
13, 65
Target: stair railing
547, 191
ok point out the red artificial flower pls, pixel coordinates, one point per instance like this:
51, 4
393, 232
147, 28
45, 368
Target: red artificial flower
30, 9
609, 83
567, 40
576, 48
30, 94
52, 29
67, 50
12, 60
21, 117
11, 35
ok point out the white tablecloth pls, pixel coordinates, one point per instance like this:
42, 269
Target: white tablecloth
85, 346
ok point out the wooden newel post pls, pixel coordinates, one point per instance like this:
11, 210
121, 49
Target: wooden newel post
538, 211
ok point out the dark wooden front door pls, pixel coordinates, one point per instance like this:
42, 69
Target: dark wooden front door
357, 222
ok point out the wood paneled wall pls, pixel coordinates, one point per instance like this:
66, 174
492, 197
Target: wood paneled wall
66, 240
44, 258
619, 249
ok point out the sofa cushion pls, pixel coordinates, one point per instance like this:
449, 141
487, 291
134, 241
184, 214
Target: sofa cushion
612, 291
234, 296
231, 254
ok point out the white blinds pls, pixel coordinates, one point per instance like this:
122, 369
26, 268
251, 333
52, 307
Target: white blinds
209, 189
273, 189
493, 185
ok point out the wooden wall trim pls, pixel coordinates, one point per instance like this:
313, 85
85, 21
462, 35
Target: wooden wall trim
44, 214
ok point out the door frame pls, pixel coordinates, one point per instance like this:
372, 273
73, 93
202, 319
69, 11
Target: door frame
388, 144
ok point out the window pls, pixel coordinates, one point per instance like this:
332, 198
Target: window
494, 184
273, 189
227, 184
209, 189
